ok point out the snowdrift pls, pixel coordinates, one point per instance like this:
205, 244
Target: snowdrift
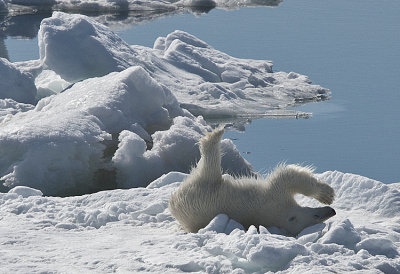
132, 230
104, 114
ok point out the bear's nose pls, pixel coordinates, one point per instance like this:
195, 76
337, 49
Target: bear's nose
330, 211
326, 212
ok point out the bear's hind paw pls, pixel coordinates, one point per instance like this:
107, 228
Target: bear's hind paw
325, 194
213, 136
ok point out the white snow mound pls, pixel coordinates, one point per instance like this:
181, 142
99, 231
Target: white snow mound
15, 84
26, 191
132, 230
205, 81
58, 146
66, 144
77, 47
173, 149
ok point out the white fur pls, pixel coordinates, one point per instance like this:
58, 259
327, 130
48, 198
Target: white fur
251, 201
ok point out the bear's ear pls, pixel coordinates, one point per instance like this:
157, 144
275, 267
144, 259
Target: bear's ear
291, 219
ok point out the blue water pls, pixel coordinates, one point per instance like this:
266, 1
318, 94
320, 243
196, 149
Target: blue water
351, 47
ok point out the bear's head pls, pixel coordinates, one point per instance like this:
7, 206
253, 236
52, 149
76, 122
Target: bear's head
298, 218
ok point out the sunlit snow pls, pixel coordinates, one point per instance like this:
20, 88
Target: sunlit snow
132, 230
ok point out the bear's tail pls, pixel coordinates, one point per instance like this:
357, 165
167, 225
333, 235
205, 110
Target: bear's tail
210, 149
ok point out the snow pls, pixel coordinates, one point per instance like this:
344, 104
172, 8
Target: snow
59, 144
49, 83
206, 81
9, 107
17, 85
232, 4
94, 6
222, 224
173, 149
26, 191
133, 5
65, 145
117, 15
224, 85
98, 52
132, 230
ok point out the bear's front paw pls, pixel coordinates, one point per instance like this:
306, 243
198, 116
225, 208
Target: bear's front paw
325, 193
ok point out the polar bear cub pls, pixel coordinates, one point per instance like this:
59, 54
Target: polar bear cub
268, 201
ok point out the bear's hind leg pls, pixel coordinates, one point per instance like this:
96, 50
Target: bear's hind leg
297, 179
210, 149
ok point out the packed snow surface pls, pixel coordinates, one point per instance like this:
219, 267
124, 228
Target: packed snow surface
132, 230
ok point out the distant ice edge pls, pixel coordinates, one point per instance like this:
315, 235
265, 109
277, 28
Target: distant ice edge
18, 6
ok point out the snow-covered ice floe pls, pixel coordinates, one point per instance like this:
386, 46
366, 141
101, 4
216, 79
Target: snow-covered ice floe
3, 6
128, 5
16, 18
103, 114
132, 230
69, 142
205, 80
